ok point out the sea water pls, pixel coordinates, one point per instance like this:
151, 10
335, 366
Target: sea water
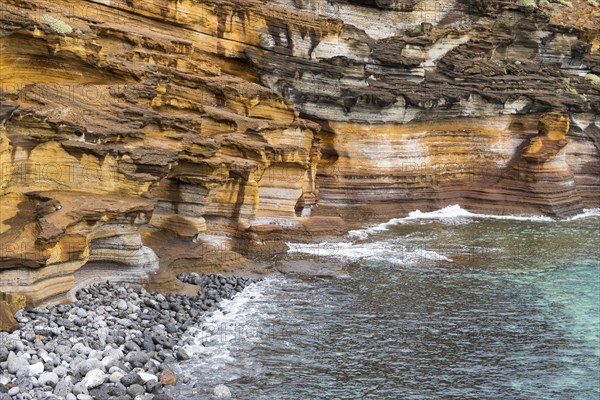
442, 305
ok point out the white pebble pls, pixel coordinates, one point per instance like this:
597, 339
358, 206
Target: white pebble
36, 369
94, 378
222, 391
146, 377
115, 377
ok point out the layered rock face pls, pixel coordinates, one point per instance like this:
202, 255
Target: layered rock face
142, 138
434, 105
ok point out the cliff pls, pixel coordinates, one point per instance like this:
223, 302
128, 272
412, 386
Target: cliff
140, 138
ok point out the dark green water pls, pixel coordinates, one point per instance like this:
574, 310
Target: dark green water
452, 308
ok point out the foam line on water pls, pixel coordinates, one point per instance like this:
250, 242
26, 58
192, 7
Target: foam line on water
588, 212
381, 251
453, 214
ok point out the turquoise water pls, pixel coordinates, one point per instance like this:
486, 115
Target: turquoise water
449, 307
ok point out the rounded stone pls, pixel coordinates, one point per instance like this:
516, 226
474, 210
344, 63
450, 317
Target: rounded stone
36, 369
87, 365
168, 378
182, 355
122, 305
222, 391
137, 358
81, 349
63, 388
136, 390
3, 354
61, 371
48, 379
14, 363
79, 388
115, 377
152, 386
94, 378
62, 350
131, 379
25, 384
117, 354
131, 346
146, 377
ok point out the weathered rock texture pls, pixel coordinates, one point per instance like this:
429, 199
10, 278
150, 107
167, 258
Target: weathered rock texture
144, 137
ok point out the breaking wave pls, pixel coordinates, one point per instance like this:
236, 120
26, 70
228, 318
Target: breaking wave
456, 214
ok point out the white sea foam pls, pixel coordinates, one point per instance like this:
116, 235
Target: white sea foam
394, 250
588, 212
391, 251
456, 211
449, 214
228, 325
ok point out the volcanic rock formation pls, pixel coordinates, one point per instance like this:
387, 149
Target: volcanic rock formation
140, 138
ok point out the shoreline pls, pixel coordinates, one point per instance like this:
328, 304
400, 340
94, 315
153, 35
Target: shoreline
162, 278
99, 321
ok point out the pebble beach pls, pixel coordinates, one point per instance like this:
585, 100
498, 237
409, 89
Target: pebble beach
114, 342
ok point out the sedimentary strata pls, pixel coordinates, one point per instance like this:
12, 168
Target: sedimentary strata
141, 138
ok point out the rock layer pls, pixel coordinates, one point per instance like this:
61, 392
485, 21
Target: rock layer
143, 138
436, 108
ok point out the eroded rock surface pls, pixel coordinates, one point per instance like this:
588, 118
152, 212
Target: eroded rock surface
143, 138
